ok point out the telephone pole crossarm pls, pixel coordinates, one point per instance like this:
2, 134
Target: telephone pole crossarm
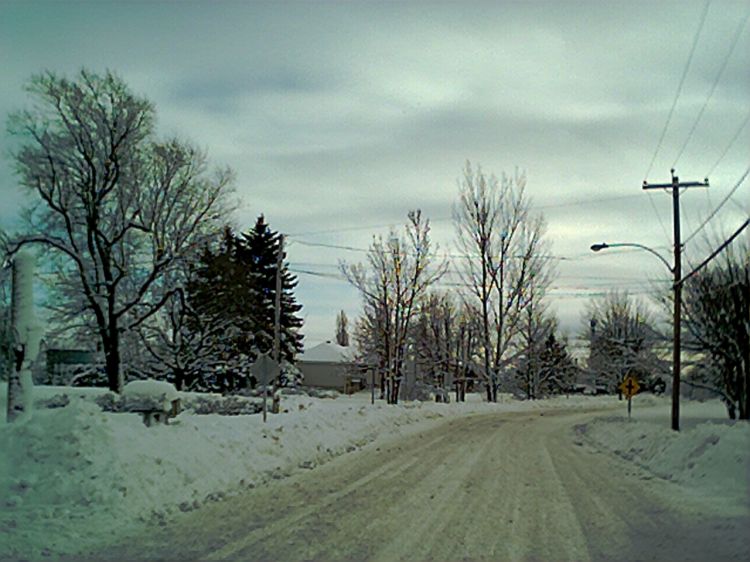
703, 183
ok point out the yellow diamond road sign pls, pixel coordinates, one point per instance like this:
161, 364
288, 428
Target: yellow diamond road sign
630, 386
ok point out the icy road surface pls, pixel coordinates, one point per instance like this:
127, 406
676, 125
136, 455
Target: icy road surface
513, 486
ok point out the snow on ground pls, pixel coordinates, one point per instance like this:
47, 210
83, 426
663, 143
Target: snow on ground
73, 474
710, 454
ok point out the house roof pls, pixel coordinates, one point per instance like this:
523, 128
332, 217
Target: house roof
328, 353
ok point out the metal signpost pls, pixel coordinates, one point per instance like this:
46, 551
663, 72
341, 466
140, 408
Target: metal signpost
630, 388
265, 369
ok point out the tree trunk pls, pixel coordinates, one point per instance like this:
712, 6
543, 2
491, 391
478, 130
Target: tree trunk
743, 395
179, 378
731, 410
111, 346
26, 338
395, 389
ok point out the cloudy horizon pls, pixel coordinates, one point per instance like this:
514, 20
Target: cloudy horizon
339, 118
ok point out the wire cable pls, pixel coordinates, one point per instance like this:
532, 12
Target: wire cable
679, 89
716, 252
658, 216
719, 74
445, 255
718, 207
729, 146
581, 202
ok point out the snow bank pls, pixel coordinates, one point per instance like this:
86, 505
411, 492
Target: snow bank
710, 457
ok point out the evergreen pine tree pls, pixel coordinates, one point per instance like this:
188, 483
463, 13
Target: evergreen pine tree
234, 288
558, 368
258, 250
222, 298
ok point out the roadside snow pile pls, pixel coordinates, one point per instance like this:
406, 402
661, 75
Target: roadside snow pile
73, 473
710, 457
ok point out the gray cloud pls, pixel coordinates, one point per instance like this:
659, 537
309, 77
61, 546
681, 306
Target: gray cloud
338, 116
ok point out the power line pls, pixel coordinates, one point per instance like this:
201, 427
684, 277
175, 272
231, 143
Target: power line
742, 208
581, 202
441, 255
718, 207
333, 246
713, 88
658, 216
715, 253
679, 89
586, 285
584, 202
558, 292
731, 143
619, 280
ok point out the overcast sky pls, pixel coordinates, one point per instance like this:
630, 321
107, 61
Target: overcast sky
340, 117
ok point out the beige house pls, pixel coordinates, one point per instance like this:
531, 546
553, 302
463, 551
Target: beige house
329, 365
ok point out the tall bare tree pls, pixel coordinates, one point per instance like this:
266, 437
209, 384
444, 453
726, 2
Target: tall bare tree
717, 317
115, 207
504, 249
398, 272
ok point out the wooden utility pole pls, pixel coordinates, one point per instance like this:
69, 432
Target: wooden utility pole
675, 186
277, 303
276, 405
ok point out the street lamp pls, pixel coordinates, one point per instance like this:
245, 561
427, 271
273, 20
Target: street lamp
676, 321
604, 246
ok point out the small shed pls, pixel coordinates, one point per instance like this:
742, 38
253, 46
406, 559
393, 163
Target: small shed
329, 365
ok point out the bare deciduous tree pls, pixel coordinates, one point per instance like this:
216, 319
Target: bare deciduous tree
116, 208
717, 317
504, 250
180, 343
399, 271
623, 341
445, 337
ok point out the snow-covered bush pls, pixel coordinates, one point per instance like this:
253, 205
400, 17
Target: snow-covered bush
291, 376
223, 406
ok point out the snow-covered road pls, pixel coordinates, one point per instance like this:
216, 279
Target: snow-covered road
505, 486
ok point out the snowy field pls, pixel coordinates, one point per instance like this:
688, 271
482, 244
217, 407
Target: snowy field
72, 475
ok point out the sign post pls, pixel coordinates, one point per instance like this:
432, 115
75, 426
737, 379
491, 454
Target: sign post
630, 388
265, 369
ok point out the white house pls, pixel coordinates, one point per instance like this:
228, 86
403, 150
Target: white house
329, 365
